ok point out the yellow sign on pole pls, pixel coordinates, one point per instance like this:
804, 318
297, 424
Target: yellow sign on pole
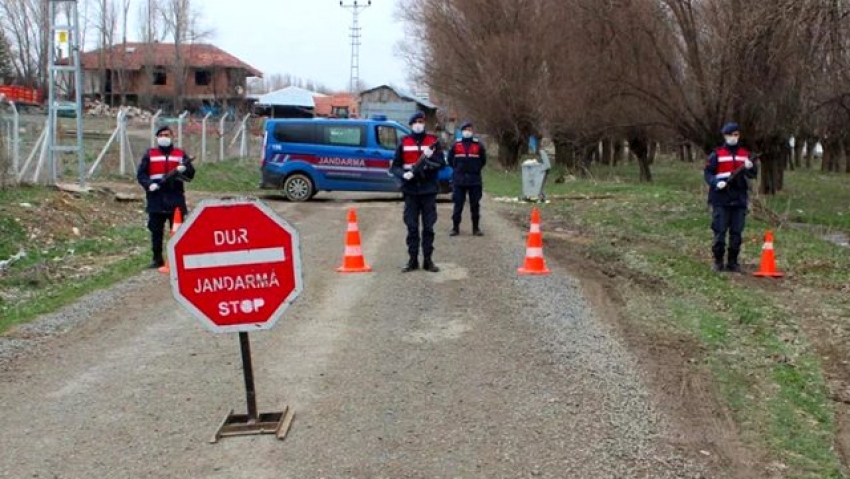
63, 37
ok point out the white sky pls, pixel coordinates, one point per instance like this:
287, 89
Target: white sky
309, 38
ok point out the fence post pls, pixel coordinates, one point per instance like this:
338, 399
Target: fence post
204, 136
122, 134
243, 147
154, 119
180, 121
15, 137
221, 137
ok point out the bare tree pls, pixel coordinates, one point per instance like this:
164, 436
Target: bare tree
747, 61
150, 31
121, 73
7, 67
182, 20
25, 22
105, 23
483, 55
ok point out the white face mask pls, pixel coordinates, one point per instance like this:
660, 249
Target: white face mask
731, 140
466, 134
163, 141
418, 127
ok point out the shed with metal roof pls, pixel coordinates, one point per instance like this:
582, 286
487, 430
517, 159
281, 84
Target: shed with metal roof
396, 104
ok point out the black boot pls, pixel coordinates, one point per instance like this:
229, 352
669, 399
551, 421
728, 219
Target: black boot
476, 231
156, 262
718, 261
732, 265
412, 265
429, 265
455, 230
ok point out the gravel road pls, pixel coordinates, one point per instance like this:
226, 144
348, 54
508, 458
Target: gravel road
472, 372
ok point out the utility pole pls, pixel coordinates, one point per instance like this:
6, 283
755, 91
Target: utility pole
64, 34
355, 8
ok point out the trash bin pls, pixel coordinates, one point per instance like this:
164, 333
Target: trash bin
534, 177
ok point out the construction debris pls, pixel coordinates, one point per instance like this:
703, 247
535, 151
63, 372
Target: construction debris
100, 109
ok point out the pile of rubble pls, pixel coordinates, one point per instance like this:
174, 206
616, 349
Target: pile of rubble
103, 110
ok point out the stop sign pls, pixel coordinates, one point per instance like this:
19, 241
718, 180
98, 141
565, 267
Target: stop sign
235, 265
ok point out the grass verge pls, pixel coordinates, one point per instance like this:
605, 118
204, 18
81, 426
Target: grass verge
752, 331
74, 244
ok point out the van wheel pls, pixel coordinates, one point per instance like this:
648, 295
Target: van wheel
298, 188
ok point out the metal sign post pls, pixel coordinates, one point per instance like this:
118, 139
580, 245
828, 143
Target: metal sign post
276, 423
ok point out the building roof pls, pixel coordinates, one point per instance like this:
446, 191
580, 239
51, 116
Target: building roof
325, 104
133, 56
289, 96
404, 94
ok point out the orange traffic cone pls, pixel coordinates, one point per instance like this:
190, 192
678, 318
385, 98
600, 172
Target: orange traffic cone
176, 223
768, 259
534, 262
352, 261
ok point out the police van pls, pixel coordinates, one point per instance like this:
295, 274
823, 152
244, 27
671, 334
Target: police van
304, 156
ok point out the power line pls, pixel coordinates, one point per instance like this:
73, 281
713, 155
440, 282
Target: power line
355, 8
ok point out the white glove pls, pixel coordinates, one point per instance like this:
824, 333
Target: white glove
153, 187
408, 175
748, 164
721, 185
429, 151
181, 168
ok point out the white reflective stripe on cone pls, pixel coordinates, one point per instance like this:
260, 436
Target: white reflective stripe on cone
535, 228
353, 251
534, 252
767, 246
352, 227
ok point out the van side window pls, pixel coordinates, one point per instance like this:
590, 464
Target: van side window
342, 135
295, 133
387, 137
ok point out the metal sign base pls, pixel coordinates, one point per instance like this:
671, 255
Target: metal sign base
276, 423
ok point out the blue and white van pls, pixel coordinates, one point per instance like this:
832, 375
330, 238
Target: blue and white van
304, 156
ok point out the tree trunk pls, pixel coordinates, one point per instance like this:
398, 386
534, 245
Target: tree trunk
619, 151
652, 153
831, 156
565, 155
773, 161
509, 148
588, 155
846, 156
639, 146
798, 153
607, 152
810, 153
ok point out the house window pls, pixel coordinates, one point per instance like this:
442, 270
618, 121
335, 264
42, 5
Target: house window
159, 76
203, 77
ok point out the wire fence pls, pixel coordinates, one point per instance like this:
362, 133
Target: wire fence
113, 143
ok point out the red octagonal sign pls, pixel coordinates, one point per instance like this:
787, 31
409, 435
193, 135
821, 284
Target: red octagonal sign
235, 265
